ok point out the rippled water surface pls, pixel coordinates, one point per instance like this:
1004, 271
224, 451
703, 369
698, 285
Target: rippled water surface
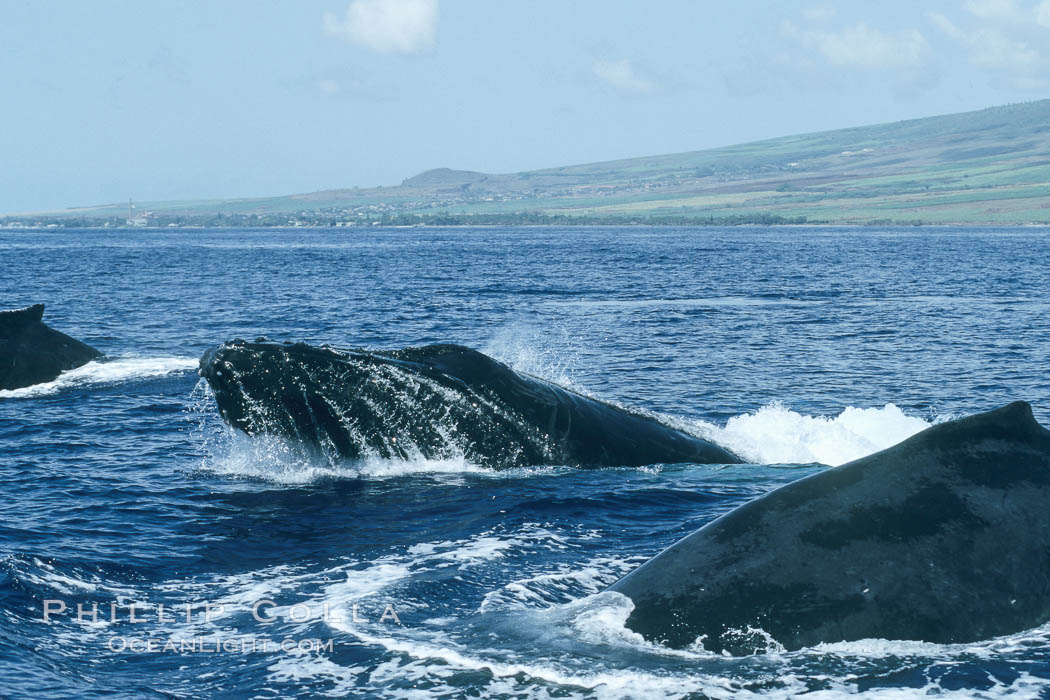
795, 347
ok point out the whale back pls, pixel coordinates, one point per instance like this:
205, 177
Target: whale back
944, 538
437, 401
583, 431
31, 352
14, 320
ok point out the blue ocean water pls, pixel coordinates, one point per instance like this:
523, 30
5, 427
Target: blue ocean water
797, 347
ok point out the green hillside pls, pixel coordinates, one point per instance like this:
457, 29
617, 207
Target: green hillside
991, 166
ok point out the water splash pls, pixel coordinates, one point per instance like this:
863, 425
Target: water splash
775, 434
529, 350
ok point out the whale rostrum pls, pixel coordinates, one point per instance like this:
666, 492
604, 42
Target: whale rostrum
437, 401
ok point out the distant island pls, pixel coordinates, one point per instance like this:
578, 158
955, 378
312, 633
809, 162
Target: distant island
986, 167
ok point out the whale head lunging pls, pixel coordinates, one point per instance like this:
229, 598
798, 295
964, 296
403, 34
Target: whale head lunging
355, 403
435, 402
228, 369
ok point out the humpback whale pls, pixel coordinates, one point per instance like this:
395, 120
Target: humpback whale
944, 537
32, 353
437, 401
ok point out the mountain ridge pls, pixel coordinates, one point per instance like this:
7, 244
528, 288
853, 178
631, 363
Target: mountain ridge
990, 166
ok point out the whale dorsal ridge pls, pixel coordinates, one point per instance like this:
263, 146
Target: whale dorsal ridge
17, 318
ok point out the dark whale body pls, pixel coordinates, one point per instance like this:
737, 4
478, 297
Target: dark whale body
437, 401
943, 538
33, 353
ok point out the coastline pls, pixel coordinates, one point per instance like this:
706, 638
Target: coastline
263, 227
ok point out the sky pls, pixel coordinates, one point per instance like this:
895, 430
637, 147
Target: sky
160, 100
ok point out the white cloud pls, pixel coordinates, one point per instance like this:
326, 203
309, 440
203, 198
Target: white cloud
996, 47
621, 76
389, 26
946, 26
1042, 14
992, 9
862, 46
819, 13
992, 49
329, 87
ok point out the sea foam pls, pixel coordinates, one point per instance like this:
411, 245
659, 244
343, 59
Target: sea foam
775, 434
101, 372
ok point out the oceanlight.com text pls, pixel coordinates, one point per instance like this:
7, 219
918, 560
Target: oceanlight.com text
216, 645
